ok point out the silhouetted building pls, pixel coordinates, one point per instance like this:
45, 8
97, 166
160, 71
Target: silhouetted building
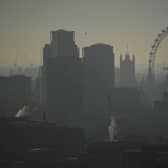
117, 76
21, 137
127, 71
62, 44
126, 105
97, 80
36, 88
61, 78
161, 116
125, 99
15, 93
162, 105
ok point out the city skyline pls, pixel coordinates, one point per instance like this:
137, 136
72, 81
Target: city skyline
84, 83
25, 26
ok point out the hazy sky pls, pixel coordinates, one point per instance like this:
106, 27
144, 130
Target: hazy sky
25, 26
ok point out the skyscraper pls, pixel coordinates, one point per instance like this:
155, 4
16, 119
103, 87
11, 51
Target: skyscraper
97, 82
98, 60
62, 43
61, 77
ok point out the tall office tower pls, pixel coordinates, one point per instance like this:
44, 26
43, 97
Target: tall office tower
127, 71
62, 43
61, 78
97, 82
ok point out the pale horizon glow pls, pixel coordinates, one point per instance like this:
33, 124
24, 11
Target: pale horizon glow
25, 26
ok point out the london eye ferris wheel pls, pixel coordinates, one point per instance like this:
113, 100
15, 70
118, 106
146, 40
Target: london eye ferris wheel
153, 53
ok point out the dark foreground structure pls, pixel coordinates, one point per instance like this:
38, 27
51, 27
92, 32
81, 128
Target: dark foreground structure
26, 143
22, 140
